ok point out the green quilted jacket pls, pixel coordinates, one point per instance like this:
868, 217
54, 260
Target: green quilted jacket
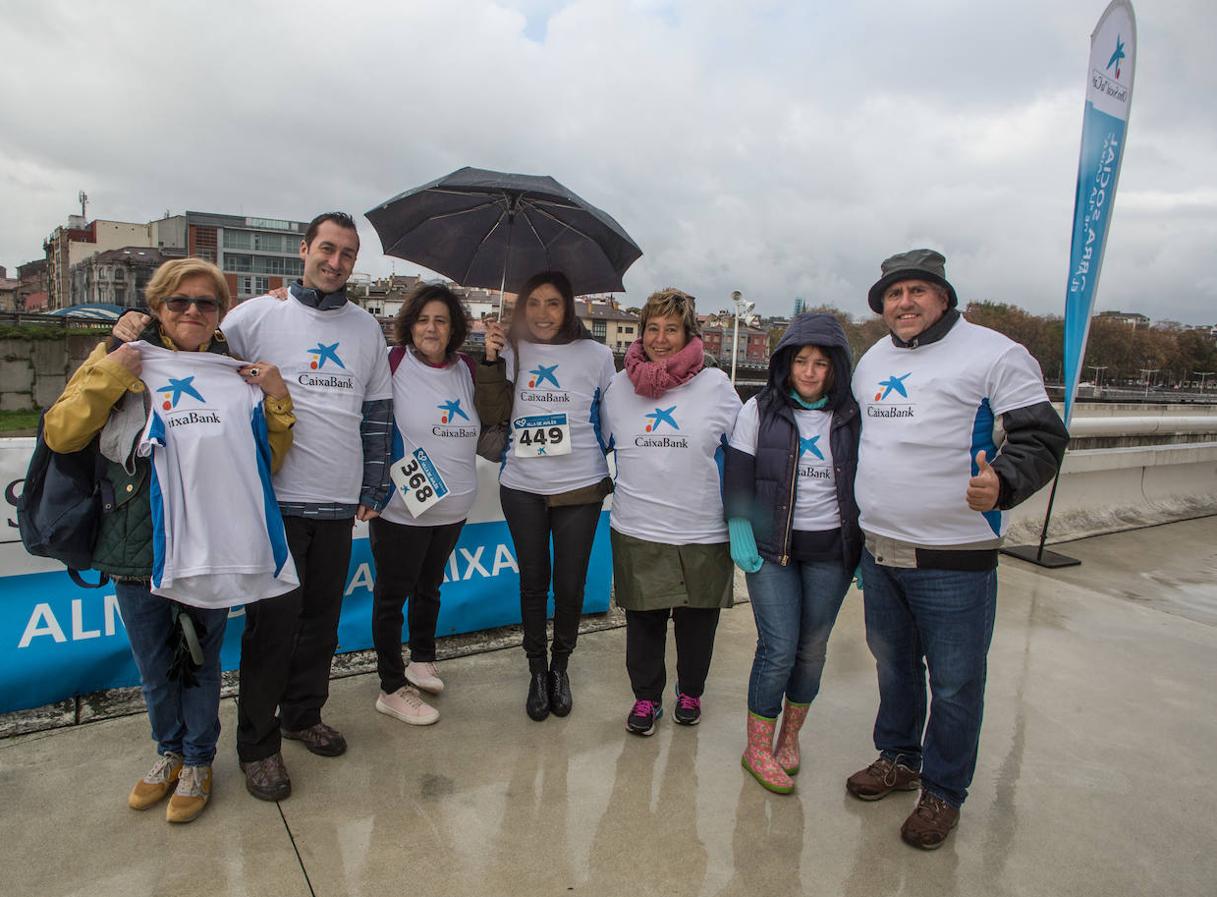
124, 538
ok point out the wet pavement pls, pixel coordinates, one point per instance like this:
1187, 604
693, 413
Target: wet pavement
1095, 772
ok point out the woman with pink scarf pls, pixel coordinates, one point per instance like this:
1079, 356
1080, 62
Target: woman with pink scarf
668, 418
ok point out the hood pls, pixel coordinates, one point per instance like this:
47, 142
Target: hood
810, 329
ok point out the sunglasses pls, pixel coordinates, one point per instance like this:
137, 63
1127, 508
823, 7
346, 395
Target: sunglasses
205, 304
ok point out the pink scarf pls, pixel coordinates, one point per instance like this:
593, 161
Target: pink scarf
653, 378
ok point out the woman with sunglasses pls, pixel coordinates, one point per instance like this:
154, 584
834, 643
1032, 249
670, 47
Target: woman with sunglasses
668, 418
106, 404
545, 378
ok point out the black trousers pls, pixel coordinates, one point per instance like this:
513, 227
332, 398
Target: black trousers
410, 564
289, 640
646, 641
532, 523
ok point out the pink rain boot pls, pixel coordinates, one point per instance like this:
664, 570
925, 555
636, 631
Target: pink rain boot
787, 750
758, 758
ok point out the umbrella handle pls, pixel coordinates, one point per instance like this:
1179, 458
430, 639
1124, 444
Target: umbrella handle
511, 221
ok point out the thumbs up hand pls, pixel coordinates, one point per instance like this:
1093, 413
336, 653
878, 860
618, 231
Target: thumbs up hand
984, 488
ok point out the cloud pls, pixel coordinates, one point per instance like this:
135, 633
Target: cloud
780, 149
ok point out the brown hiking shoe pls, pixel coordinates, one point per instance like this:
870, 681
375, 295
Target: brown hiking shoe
881, 778
267, 779
930, 823
322, 740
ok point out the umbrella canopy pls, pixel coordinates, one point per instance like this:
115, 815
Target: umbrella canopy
495, 230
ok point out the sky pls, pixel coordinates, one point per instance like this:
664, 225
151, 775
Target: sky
780, 149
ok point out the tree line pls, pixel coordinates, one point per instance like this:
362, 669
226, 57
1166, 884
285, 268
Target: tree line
1176, 355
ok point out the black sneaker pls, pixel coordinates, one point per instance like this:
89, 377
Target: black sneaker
688, 710
643, 717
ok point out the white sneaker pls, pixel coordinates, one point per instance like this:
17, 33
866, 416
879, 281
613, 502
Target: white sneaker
424, 676
407, 705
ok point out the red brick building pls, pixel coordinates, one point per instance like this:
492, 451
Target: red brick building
753, 344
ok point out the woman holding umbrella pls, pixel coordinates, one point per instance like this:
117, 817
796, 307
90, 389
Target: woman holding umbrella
668, 417
545, 378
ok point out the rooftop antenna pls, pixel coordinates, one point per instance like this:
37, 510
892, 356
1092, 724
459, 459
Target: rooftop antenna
83, 199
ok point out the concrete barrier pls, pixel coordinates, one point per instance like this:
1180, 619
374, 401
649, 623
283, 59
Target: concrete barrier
1133, 479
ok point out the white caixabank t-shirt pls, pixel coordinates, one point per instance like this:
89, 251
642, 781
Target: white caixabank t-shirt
926, 412
815, 498
433, 410
332, 361
218, 539
557, 392
669, 455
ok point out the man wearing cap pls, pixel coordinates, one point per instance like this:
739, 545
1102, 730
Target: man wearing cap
933, 488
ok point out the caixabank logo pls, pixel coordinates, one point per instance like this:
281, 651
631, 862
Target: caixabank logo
1117, 56
330, 371
655, 420
887, 398
809, 445
1110, 80
809, 453
323, 354
537, 388
450, 415
177, 389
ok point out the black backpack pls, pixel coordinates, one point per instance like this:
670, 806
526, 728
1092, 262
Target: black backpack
60, 506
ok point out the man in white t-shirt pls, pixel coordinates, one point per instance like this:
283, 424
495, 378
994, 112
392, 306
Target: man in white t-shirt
932, 491
332, 355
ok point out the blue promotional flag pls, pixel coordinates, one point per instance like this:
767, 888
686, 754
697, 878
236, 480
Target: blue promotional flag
1113, 47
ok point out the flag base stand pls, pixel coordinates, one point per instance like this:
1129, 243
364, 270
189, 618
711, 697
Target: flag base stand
1037, 554
1041, 557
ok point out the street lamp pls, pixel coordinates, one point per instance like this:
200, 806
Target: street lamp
1098, 377
1147, 373
741, 308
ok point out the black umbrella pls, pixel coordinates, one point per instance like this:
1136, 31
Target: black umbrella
492, 229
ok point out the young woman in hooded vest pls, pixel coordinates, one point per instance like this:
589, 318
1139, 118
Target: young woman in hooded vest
544, 378
794, 530
668, 417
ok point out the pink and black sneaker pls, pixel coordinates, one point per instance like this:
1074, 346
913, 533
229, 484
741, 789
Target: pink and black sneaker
643, 717
688, 709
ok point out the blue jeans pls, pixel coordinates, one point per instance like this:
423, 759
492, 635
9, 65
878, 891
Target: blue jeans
794, 608
943, 620
184, 720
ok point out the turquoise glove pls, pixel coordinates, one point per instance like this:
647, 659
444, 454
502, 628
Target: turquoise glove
858, 577
743, 545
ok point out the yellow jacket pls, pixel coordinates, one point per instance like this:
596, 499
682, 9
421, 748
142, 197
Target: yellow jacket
80, 413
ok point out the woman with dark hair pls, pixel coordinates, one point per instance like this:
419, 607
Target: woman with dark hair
546, 380
435, 482
668, 417
794, 530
